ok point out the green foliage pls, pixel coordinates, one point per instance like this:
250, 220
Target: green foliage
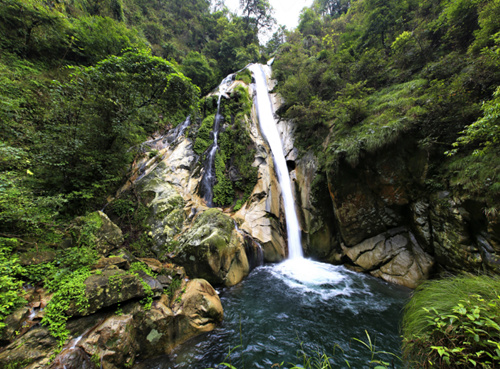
203, 141
32, 28
174, 286
68, 288
223, 189
99, 114
197, 67
453, 322
478, 172
10, 286
95, 38
355, 82
258, 13
236, 153
245, 75
140, 266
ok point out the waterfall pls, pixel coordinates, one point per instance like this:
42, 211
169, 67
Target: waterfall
208, 180
268, 127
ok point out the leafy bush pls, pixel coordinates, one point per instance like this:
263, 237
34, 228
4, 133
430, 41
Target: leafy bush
68, 288
453, 322
10, 285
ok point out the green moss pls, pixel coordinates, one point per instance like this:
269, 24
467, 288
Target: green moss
203, 140
245, 76
68, 288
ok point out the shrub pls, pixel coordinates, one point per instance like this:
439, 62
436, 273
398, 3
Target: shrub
453, 322
10, 286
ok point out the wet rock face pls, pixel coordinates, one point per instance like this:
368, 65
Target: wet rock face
213, 249
315, 212
370, 199
394, 256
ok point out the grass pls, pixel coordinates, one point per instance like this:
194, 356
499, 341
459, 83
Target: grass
453, 322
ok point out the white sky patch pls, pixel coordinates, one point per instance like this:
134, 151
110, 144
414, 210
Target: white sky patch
285, 11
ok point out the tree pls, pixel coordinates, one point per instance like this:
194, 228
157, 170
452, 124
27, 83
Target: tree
197, 67
333, 8
278, 38
259, 13
83, 146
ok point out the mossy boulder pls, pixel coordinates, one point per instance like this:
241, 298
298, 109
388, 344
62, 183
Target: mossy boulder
97, 230
167, 214
112, 286
212, 249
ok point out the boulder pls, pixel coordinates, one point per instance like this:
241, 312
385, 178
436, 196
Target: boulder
394, 256
196, 310
14, 324
110, 287
116, 261
260, 216
32, 350
374, 195
212, 249
109, 236
117, 340
113, 342
167, 213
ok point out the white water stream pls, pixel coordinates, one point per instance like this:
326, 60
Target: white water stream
208, 180
267, 124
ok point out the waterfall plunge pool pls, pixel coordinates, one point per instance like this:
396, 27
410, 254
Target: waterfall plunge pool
280, 308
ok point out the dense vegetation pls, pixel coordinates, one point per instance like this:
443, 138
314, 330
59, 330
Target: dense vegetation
82, 83
359, 76
452, 323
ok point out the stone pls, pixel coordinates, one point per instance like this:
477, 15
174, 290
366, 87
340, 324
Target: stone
113, 342
13, 325
167, 213
110, 287
37, 257
212, 249
117, 261
109, 236
198, 310
394, 256
373, 196
32, 350
453, 245
153, 264
315, 213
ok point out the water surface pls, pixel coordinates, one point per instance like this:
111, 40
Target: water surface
279, 309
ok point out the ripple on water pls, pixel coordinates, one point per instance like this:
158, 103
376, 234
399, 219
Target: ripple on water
298, 303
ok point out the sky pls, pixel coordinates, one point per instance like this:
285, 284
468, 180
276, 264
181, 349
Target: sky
285, 11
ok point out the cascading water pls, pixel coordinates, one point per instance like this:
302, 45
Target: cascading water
208, 180
295, 305
268, 127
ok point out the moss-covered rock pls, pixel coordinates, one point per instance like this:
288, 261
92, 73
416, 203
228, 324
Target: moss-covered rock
111, 286
98, 231
166, 208
213, 250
